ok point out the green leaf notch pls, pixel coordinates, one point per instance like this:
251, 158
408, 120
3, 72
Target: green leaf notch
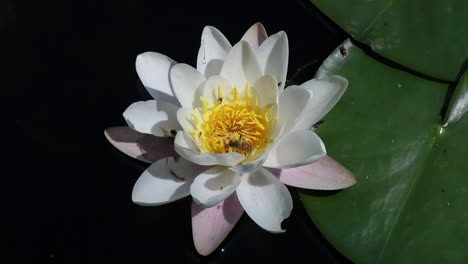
428, 36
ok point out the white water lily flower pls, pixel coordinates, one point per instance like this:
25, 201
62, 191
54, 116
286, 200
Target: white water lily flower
240, 135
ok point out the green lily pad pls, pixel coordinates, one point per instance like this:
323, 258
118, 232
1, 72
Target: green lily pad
411, 200
429, 36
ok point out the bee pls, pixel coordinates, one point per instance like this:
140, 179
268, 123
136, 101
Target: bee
239, 144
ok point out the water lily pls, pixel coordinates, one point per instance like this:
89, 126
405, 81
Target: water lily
239, 134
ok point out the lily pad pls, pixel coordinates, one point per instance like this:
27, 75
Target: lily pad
410, 202
428, 36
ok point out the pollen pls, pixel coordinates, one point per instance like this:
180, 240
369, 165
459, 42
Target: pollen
233, 123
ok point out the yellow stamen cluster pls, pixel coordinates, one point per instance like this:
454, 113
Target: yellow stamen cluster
235, 123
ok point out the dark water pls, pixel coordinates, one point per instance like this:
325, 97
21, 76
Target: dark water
70, 195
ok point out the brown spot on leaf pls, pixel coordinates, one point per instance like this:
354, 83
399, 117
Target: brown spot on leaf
343, 51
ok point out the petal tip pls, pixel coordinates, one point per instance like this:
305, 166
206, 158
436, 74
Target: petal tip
141, 57
324, 174
281, 35
207, 29
255, 35
204, 251
261, 29
342, 79
146, 57
135, 199
106, 133
352, 181
258, 24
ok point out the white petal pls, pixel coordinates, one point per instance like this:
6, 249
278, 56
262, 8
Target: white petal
186, 148
184, 116
252, 164
153, 69
214, 185
165, 181
325, 94
151, 118
265, 199
171, 125
185, 82
255, 35
273, 57
292, 103
241, 66
296, 149
213, 49
266, 89
184, 140
210, 90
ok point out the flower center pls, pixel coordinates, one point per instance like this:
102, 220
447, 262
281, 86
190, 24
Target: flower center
235, 123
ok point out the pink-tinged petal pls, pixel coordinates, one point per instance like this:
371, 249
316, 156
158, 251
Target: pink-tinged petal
144, 147
210, 226
324, 174
255, 35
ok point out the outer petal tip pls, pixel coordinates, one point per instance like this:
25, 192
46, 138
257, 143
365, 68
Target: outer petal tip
142, 57
324, 174
255, 35
152, 69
